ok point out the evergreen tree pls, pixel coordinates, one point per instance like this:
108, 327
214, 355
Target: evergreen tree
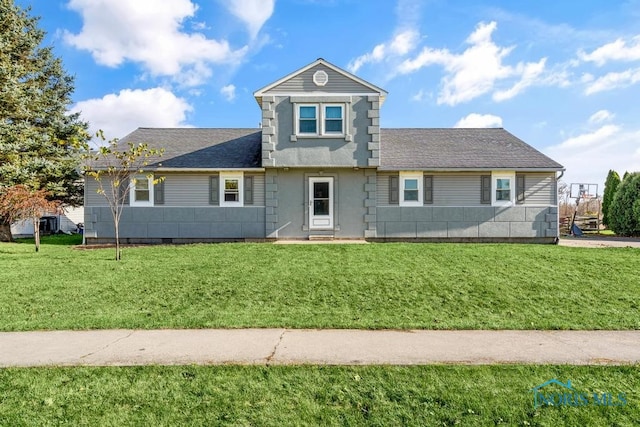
624, 213
610, 187
39, 141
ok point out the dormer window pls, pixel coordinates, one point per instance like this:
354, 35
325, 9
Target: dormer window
308, 119
320, 119
333, 119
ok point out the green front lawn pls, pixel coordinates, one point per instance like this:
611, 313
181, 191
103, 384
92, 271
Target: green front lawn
431, 286
283, 396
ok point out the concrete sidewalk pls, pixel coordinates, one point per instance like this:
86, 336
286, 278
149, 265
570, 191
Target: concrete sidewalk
333, 347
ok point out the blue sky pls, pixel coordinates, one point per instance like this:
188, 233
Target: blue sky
563, 76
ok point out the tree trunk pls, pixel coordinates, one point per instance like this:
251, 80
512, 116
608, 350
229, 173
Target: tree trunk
5, 232
118, 254
36, 233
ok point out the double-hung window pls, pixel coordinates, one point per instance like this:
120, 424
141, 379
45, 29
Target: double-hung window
503, 188
411, 188
308, 119
333, 119
141, 191
231, 189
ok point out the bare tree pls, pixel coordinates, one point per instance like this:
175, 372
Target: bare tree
564, 201
114, 167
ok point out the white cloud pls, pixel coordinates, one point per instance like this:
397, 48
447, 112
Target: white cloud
591, 139
119, 114
401, 44
613, 80
589, 157
530, 74
475, 71
601, 116
253, 13
149, 32
475, 120
617, 50
229, 92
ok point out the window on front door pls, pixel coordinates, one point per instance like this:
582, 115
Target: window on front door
321, 198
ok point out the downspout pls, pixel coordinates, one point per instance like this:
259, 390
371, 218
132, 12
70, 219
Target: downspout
557, 239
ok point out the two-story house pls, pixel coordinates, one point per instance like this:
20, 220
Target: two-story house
321, 167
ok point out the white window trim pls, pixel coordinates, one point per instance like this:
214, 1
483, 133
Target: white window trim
320, 120
495, 176
411, 175
324, 119
132, 190
224, 176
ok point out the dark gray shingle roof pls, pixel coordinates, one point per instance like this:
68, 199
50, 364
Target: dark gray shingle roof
458, 148
402, 148
202, 148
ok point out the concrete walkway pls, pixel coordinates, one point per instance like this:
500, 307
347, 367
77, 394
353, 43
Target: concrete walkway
333, 347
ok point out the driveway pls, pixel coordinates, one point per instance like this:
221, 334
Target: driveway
600, 242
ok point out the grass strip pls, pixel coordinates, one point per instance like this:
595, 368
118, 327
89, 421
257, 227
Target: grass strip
275, 396
393, 285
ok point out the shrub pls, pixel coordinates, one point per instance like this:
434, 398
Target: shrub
610, 188
624, 212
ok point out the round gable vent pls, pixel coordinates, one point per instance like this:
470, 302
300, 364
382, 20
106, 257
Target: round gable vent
320, 78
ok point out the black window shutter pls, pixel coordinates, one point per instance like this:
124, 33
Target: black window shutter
428, 189
214, 188
519, 188
158, 193
394, 190
485, 189
248, 190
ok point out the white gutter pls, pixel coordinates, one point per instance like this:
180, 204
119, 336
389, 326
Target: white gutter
389, 169
161, 169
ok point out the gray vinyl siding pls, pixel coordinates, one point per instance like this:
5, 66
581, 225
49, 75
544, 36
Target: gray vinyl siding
456, 190
180, 190
304, 83
463, 189
186, 190
91, 195
193, 189
540, 189
382, 188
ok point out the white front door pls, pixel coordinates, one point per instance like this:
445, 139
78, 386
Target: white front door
320, 203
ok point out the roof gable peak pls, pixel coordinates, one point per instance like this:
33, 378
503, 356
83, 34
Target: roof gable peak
321, 63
